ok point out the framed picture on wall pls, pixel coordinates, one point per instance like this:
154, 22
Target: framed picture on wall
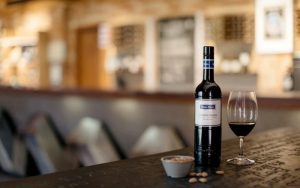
274, 26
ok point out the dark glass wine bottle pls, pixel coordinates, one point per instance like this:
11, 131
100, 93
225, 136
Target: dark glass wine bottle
208, 110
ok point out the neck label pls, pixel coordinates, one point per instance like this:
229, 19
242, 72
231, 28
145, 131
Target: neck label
208, 63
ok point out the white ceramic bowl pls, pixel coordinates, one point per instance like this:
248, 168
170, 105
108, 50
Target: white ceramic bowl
177, 166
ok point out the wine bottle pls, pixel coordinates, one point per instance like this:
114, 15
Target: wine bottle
208, 108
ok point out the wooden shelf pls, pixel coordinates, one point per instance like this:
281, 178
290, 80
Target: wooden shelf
18, 41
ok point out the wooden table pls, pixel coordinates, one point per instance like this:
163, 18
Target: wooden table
277, 155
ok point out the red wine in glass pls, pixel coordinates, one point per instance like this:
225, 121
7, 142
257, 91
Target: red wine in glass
241, 128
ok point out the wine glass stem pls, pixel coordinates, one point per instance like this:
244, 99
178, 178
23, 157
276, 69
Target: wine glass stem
241, 153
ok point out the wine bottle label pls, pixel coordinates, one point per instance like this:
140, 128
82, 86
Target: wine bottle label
208, 63
208, 112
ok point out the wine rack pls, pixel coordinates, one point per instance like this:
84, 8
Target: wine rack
214, 28
129, 40
230, 28
233, 27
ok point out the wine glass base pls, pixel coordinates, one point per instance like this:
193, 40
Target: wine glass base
240, 161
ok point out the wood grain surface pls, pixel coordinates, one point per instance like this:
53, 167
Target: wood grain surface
277, 155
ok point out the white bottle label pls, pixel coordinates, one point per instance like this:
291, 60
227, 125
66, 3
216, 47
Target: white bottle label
208, 112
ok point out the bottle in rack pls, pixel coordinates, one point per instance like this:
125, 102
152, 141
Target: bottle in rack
208, 108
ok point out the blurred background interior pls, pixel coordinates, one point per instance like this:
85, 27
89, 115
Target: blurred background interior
85, 82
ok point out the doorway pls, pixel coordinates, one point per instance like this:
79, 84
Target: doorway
91, 72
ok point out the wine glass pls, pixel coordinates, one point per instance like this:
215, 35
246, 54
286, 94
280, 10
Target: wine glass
242, 113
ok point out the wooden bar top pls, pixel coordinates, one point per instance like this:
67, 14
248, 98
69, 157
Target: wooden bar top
276, 152
265, 99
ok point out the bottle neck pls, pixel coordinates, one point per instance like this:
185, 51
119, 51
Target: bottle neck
208, 75
208, 70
